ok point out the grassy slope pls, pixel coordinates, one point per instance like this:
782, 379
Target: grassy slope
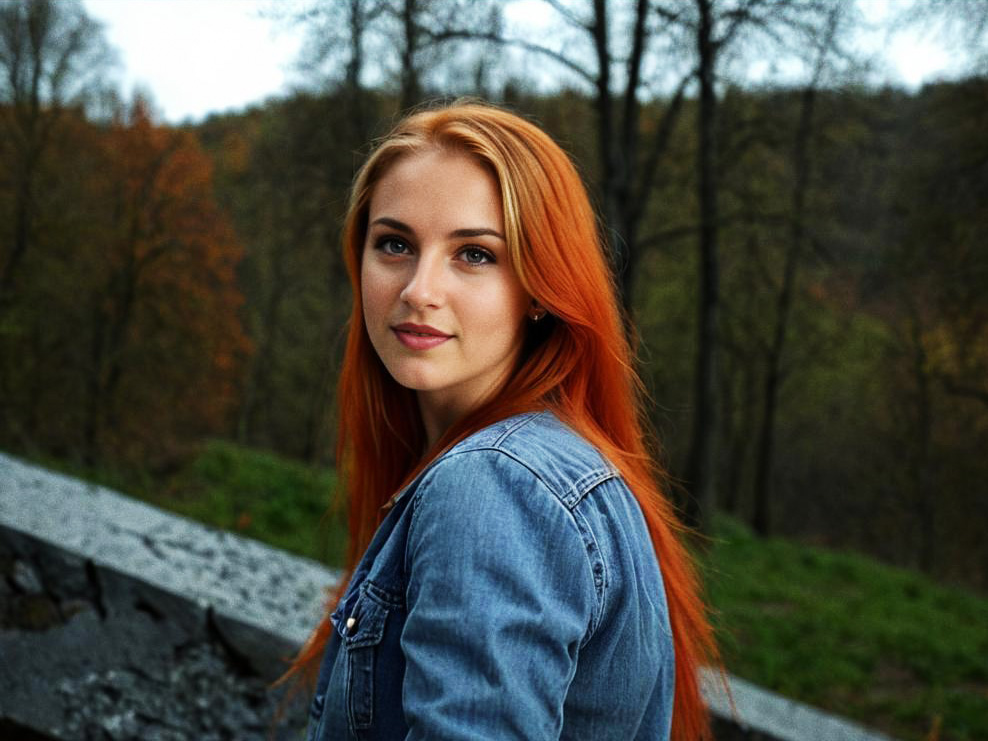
884, 646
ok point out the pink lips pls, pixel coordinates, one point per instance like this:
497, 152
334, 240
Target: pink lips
419, 336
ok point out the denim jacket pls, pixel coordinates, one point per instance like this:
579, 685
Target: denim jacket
512, 592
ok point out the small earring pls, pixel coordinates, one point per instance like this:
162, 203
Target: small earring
538, 314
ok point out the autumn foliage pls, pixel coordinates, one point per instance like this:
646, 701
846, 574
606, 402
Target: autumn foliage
122, 336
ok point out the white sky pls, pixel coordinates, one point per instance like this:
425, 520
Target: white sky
194, 57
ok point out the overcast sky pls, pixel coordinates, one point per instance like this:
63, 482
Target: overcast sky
194, 57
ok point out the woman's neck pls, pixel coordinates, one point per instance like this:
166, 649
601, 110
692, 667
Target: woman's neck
436, 419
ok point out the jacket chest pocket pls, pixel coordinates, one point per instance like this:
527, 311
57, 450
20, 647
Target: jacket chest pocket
373, 656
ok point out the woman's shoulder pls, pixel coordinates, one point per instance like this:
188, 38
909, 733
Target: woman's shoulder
528, 475
539, 444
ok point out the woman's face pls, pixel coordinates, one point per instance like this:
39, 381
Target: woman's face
443, 307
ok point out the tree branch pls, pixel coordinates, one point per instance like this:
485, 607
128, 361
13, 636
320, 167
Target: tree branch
449, 34
568, 15
954, 388
660, 142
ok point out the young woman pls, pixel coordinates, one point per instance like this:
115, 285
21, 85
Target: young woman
514, 571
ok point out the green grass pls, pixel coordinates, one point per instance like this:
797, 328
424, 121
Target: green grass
884, 646
260, 495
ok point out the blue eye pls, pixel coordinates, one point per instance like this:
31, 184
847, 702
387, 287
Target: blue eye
392, 246
477, 256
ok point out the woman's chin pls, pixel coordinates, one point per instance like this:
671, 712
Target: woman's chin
416, 380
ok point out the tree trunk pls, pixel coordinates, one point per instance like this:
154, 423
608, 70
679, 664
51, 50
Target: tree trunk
762, 517
618, 150
353, 88
94, 385
740, 404
701, 464
604, 104
22, 228
24, 203
923, 460
411, 89
316, 430
260, 364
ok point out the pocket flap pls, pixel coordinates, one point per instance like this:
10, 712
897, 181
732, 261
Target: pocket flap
364, 626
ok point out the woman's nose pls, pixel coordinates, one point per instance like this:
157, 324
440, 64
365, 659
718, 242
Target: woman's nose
424, 288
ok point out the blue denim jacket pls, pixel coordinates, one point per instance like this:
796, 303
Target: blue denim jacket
512, 592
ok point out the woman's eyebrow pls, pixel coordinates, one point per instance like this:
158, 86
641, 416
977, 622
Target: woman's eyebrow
467, 233
387, 221
401, 226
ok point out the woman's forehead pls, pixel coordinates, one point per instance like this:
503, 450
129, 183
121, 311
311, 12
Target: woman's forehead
436, 183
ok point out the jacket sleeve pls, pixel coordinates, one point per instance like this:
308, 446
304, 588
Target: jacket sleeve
500, 597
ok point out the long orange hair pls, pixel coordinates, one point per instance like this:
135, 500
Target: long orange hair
577, 363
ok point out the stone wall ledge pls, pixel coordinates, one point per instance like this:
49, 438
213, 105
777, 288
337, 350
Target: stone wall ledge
120, 621
761, 715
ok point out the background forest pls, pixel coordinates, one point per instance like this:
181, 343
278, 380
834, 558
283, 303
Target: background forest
804, 257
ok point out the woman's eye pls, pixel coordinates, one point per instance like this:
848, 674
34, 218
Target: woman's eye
392, 246
477, 256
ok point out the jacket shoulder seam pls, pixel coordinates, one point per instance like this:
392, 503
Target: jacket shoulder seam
571, 516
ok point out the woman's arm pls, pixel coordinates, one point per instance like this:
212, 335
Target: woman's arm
500, 598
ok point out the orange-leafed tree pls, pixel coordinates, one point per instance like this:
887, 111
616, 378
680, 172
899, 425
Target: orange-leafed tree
167, 342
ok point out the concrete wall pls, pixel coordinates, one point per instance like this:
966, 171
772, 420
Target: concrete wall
119, 621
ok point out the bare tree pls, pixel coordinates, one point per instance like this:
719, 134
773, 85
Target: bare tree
404, 38
825, 47
720, 28
700, 464
52, 56
335, 52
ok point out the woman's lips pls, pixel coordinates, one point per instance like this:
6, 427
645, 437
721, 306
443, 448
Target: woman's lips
419, 336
